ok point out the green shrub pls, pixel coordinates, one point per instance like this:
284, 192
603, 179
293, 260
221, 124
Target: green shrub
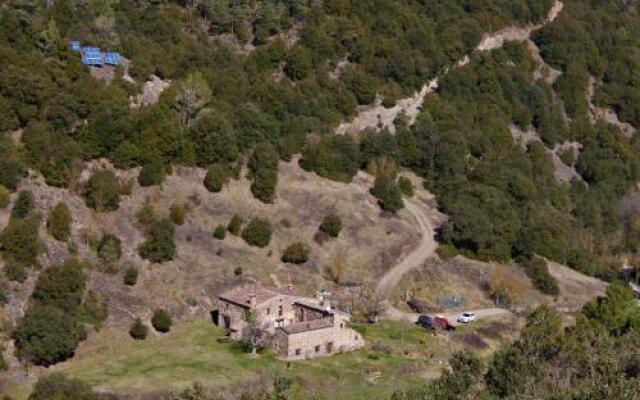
331, 225
20, 241
15, 271
94, 309
263, 165
3, 364
152, 173
257, 232
147, 214
102, 191
235, 225
5, 197
159, 247
299, 63
538, 271
568, 156
130, 276
405, 185
59, 222
386, 190
296, 253
447, 252
335, 157
139, 330
216, 177
61, 287
57, 386
178, 213
46, 335
24, 204
161, 321
109, 249
220, 232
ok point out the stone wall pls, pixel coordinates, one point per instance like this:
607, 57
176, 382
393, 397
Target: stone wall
318, 343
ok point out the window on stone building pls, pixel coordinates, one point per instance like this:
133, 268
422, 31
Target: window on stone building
268, 311
280, 311
330, 347
317, 349
298, 352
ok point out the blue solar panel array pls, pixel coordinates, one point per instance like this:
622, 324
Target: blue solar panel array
75, 46
112, 58
94, 56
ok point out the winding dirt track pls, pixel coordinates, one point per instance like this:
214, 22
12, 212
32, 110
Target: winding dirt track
425, 249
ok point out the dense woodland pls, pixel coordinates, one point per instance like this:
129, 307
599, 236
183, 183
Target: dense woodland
255, 82
228, 105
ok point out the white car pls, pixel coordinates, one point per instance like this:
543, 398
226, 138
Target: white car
466, 317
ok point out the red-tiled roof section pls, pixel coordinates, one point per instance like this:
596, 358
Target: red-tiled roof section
242, 295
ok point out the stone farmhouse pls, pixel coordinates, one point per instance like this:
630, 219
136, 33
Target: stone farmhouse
295, 327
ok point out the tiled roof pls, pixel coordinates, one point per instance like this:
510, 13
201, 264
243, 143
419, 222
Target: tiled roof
241, 294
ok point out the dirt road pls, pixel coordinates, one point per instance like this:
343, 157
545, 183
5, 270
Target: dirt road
425, 249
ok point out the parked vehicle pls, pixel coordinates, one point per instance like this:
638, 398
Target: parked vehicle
433, 323
467, 317
443, 323
426, 321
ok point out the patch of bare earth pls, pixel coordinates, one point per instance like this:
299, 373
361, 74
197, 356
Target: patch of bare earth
369, 242
606, 114
563, 173
151, 91
439, 281
575, 288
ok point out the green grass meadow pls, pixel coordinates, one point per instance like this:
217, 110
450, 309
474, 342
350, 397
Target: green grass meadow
405, 355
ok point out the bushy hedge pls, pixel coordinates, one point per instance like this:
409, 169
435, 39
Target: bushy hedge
59, 222
264, 169
257, 232
138, 330
5, 197
102, 191
331, 225
161, 320
235, 225
59, 387
46, 335
20, 240
296, 253
130, 276
24, 204
160, 246
220, 232
152, 173
386, 189
109, 249
538, 271
216, 177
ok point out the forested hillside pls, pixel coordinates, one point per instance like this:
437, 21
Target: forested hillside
309, 65
529, 147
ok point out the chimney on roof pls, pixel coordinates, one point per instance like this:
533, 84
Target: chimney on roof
252, 299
